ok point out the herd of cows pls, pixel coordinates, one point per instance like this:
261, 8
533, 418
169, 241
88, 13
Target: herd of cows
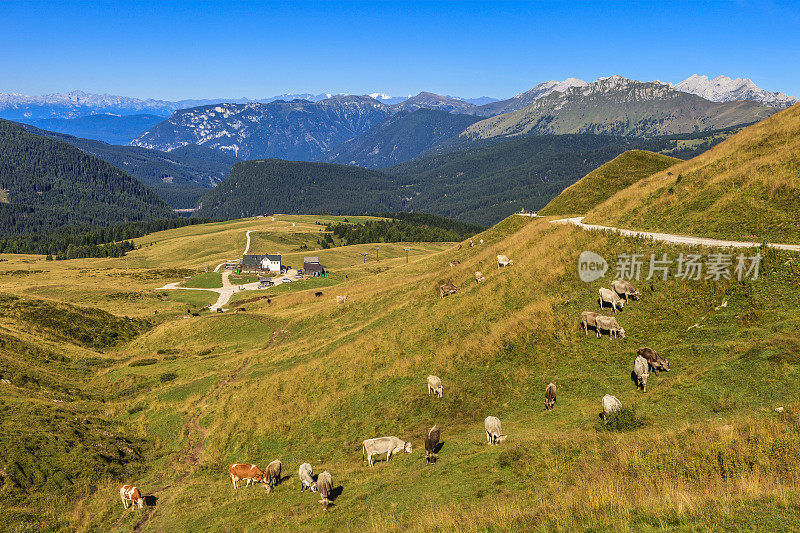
647, 361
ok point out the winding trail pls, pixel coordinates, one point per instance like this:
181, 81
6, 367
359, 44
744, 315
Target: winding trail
675, 239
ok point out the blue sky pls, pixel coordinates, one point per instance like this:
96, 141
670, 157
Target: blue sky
174, 50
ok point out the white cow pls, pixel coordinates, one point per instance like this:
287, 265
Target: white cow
494, 431
503, 261
610, 324
341, 299
607, 296
388, 445
610, 404
641, 368
435, 385
306, 474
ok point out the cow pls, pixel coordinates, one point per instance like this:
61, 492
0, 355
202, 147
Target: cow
494, 432
550, 396
431, 443
479, 277
130, 496
610, 404
388, 445
607, 296
273, 475
610, 324
306, 474
471, 243
435, 385
446, 289
325, 487
589, 319
454, 263
246, 471
503, 261
641, 369
318, 294
654, 360
625, 289
341, 299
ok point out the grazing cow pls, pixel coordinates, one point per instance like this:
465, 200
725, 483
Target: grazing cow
273, 475
131, 497
610, 324
341, 299
447, 289
589, 319
454, 263
248, 472
325, 487
306, 475
481, 241
610, 404
641, 369
607, 296
388, 445
318, 294
431, 443
550, 396
471, 244
654, 360
503, 261
479, 277
625, 289
494, 432
435, 386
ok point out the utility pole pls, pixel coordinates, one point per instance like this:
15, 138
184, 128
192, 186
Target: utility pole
406, 250
364, 255
377, 250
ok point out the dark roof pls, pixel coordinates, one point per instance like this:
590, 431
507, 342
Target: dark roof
313, 267
273, 257
251, 260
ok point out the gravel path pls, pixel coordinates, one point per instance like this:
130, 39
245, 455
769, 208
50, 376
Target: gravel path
676, 239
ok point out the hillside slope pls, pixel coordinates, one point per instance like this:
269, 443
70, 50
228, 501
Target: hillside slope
619, 106
179, 177
400, 138
111, 129
746, 188
276, 186
47, 183
603, 182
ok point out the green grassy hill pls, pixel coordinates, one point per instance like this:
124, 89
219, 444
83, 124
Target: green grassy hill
746, 188
304, 379
601, 183
46, 183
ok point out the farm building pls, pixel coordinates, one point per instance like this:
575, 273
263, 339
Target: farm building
311, 267
261, 263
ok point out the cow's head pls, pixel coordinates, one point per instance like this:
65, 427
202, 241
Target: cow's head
313, 486
665, 365
549, 403
635, 294
407, 447
622, 332
501, 438
621, 303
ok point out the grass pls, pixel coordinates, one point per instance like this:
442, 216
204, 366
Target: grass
206, 280
603, 182
745, 188
304, 379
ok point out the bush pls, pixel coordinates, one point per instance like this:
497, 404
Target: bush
136, 408
168, 376
625, 419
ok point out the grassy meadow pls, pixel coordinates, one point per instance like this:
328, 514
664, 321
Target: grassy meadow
304, 379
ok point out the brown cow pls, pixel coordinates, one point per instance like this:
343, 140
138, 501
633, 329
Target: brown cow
130, 496
273, 475
246, 471
550, 396
431, 443
625, 289
325, 488
454, 263
447, 289
655, 361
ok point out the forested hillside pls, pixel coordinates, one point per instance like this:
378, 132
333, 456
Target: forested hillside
46, 183
277, 186
399, 138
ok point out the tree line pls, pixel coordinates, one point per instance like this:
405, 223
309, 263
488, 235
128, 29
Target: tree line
401, 227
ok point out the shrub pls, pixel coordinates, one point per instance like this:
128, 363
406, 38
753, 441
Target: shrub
144, 362
168, 376
624, 419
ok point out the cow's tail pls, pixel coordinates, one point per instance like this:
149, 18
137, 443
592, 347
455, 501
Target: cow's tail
363, 452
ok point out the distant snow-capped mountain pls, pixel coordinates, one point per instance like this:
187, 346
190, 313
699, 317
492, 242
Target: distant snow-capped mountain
725, 89
526, 98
